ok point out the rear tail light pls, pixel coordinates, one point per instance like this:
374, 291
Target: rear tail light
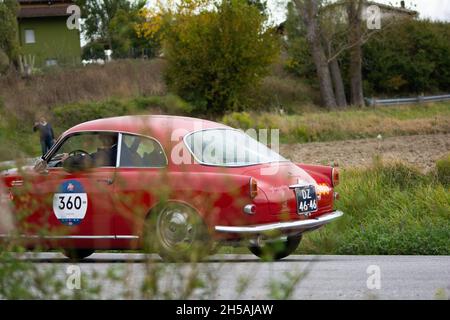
335, 176
253, 188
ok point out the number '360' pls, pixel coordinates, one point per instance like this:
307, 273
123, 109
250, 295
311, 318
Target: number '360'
69, 202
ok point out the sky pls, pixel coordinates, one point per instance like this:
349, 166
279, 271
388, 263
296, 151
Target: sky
432, 9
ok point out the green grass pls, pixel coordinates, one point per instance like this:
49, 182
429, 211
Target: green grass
389, 209
310, 124
353, 123
443, 170
17, 139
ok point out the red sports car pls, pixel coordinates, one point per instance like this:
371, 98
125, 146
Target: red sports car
177, 185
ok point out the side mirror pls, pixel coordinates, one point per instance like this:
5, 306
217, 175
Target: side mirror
40, 166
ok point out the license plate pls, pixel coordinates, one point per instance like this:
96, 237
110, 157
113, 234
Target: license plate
306, 199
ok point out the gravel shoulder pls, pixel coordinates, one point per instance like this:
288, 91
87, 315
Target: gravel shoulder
421, 151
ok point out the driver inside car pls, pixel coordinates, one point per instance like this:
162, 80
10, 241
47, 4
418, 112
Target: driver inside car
105, 156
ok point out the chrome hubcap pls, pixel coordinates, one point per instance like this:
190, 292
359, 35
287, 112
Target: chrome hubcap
175, 228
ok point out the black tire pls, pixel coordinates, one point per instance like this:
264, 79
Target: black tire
276, 250
177, 233
77, 254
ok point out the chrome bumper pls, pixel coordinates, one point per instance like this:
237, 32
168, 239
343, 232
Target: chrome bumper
282, 226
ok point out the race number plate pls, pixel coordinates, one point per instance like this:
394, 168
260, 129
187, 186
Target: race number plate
306, 200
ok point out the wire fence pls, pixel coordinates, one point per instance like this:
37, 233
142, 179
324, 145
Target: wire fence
399, 101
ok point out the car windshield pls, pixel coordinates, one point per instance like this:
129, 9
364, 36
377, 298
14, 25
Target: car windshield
229, 147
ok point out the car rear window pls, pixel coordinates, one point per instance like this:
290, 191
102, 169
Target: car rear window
229, 147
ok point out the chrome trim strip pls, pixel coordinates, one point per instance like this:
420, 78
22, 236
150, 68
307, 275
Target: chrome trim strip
298, 185
127, 237
119, 150
280, 226
120, 237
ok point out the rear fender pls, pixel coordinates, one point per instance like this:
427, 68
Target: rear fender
322, 174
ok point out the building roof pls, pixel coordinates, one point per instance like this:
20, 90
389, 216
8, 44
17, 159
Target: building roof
43, 8
386, 7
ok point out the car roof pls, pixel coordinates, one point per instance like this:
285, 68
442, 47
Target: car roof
158, 126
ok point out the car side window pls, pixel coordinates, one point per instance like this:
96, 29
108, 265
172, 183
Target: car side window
100, 146
141, 152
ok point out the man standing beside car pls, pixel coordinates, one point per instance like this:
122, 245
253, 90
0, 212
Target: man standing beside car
47, 136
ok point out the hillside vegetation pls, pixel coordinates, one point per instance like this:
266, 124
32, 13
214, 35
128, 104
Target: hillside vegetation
351, 123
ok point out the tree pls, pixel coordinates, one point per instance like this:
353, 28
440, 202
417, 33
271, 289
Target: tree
215, 51
354, 13
308, 10
94, 50
112, 22
342, 35
9, 29
412, 58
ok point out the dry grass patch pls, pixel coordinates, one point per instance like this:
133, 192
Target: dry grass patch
124, 79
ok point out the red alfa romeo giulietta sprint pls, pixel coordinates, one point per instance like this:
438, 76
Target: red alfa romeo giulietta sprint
176, 185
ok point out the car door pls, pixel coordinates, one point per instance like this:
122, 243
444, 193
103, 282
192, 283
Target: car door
139, 179
74, 204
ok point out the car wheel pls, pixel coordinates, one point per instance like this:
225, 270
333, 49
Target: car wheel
178, 233
77, 254
275, 249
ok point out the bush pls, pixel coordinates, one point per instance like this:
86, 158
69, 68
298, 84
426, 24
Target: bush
4, 62
443, 170
67, 116
409, 57
170, 104
398, 175
412, 57
215, 56
70, 115
283, 92
241, 120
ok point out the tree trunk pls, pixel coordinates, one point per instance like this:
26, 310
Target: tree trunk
339, 89
308, 11
354, 10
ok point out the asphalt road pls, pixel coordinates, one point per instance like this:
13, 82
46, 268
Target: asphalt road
245, 277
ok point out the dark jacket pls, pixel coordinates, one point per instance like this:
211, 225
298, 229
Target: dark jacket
45, 131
